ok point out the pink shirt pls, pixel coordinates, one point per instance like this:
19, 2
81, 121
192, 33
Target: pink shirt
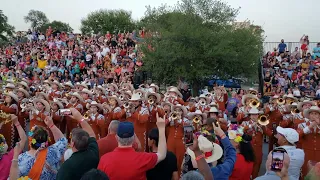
5, 164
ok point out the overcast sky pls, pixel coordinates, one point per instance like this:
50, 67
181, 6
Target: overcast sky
287, 19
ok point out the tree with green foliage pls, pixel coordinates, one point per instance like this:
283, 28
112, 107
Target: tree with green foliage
61, 26
36, 18
195, 40
105, 20
6, 30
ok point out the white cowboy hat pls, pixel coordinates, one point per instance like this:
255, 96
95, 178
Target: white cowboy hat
127, 93
46, 96
69, 84
57, 83
77, 95
306, 113
56, 101
248, 96
274, 97
12, 95
251, 89
213, 110
300, 104
290, 96
24, 84
86, 91
102, 89
167, 103
140, 92
202, 96
10, 85
254, 111
198, 112
183, 108
152, 93
293, 105
127, 86
26, 94
155, 86
44, 102
83, 84
114, 86
214, 150
46, 82
214, 104
175, 90
115, 98
135, 97
94, 103
25, 80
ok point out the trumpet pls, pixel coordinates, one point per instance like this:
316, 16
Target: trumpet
295, 111
108, 89
23, 107
290, 102
263, 120
253, 93
196, 120
5, 117
254, 103
150, 101
126, 105
67, 94
121, 97
140, 94
174, 116
281, 101
86, 115
202, 103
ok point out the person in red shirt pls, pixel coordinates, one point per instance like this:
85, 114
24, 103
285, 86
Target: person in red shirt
245, 156
126, 164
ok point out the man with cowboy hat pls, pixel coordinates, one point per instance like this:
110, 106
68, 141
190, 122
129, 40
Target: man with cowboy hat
197, 118
96, 120
87, 97
68, 86
153, 99
117, 113
309, 132
203, 103
139, 116
287, 115
245, 108
23, 85
75, 101
154, 87
175, 131
58, 120
175, 97
22, 116
257, 131
112, 89
55, 92
101, 94
221, 97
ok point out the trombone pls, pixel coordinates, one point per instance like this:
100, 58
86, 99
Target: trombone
263, 120
295, 111
174, 116
254, 103
150, 101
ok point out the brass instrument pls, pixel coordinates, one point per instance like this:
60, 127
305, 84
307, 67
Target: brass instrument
254, 103
295, 111
202, 103
263, 120
174, 116
121, 97
126, 105
196, 120
281, 101
86, 115
150, 101
108, 89
318, 104
290, 101
67, 94
5, 117
140, 94
253, 93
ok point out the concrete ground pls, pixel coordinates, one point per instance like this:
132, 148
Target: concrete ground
264, 159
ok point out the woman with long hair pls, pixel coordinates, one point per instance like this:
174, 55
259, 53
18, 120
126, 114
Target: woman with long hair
43, 161
245, 156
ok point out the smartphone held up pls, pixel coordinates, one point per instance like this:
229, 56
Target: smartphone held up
188, 135
277, 159
64, 112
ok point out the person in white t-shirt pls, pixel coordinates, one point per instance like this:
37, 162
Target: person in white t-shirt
287, 137
41, 37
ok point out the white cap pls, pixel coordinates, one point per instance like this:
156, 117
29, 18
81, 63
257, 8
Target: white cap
290, 134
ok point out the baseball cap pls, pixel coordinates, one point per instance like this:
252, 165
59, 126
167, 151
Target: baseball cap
290, 134
125, 130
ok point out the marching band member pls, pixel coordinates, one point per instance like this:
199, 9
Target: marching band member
57, 119
55, 92
127, 87
9, 87
203, 102
302, 106
107, 113
141, 93
139, 116
245, 108
22, 116
96, 120
125, 96
117, 113
38, 112
154, 87
198, 119
23, 85
112, 89
9, 106
175, 142
87, 97
309, 132
221, 97
68, 86
42, 95
101, 92
287, 121
275, 110
76, 102
214, 113
153, 99
257, 131
81, 86
174, 97
191, 105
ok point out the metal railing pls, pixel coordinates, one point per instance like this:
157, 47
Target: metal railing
269, 46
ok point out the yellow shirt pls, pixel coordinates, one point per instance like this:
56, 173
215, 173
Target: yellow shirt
42, 63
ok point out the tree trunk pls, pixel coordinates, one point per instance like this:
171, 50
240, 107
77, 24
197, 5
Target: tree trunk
195, 88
